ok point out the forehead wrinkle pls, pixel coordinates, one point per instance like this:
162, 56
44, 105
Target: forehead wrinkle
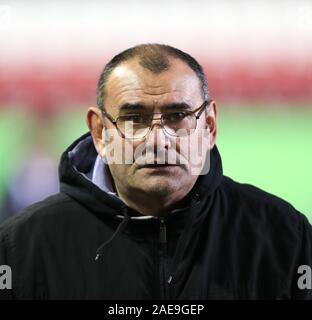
120, 94
176, 85
142, 94
159, 94
135, 89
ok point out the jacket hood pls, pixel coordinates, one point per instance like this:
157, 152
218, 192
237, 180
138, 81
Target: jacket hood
75, 172
77, 165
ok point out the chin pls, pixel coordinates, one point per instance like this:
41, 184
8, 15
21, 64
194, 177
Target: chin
159, 186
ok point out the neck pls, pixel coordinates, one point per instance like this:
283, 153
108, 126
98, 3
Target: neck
153, 205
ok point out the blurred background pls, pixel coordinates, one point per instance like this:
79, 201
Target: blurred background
257, 56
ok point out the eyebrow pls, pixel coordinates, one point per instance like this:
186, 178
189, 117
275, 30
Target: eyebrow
132, 107
141, 107
176, 106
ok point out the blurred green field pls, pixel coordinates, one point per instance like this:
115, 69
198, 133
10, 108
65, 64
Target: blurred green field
268, 147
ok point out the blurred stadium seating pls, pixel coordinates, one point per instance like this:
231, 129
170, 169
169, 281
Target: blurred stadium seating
259, 72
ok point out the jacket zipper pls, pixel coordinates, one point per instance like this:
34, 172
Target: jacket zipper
163, 258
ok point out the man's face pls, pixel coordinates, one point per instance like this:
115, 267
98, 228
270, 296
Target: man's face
147, 93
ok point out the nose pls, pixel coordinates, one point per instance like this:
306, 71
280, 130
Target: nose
157, 136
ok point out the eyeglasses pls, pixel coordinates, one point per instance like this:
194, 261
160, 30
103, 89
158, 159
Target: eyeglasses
138, 126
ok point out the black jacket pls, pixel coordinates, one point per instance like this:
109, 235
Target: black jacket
230, 241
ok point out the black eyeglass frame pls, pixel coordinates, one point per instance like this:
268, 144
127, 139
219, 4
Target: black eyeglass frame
200, 110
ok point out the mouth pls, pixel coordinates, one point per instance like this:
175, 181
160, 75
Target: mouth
158, 166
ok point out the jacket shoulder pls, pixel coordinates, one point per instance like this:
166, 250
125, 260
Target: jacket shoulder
37, 212
23, 238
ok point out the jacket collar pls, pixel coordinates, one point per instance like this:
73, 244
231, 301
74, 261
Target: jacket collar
85, 177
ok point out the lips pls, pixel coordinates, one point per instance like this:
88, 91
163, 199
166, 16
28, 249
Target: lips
158, 165
155, 165
152, 161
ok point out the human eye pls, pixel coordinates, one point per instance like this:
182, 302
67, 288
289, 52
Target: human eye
134, 118
175, 116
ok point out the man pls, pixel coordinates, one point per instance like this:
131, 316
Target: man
160, 223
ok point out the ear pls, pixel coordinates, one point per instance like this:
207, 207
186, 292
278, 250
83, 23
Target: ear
212, 122
95, 125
